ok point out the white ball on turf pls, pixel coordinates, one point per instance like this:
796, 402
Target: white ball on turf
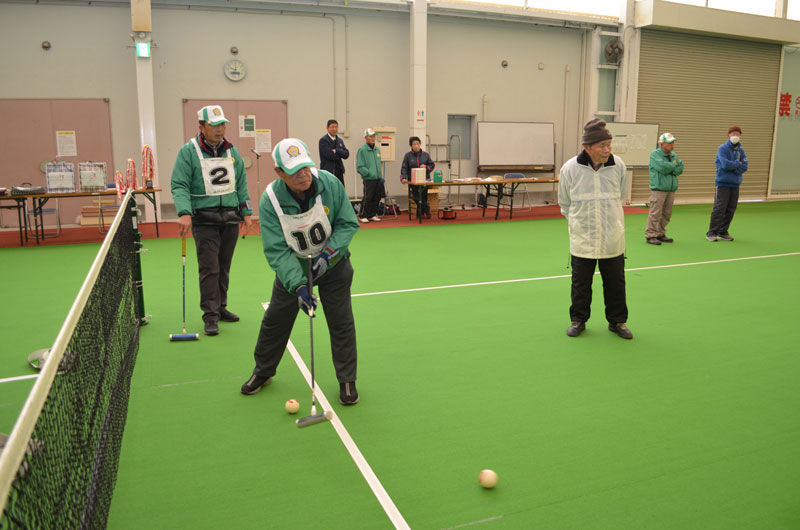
487, 478
292, 406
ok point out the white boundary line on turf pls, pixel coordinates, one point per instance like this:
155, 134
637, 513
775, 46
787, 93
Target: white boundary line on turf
18, 378
560, 276
473, 523
377, 488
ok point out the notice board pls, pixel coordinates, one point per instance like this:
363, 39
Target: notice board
634, 142
522, 145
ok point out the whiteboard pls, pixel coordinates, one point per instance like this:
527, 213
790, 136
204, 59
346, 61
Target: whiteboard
633, 142
515, 144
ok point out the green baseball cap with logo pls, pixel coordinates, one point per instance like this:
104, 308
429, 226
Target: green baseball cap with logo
212, 115
369, 132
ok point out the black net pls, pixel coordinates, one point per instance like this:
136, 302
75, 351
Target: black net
67, 477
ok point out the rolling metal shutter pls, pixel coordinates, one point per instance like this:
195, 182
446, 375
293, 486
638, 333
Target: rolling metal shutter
696, 87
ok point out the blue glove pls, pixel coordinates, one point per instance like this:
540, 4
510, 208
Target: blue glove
321, 263
383, 181
306, 300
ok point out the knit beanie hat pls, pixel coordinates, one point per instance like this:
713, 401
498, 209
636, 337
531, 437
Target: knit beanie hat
734, 128
595, 131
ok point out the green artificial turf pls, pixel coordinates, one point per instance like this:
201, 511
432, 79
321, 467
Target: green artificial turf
693, 424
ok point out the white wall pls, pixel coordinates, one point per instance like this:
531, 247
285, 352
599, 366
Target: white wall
89, 58
464, 63
289, 56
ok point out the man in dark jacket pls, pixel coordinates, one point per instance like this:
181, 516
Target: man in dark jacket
332, 151
416, 159
731, 164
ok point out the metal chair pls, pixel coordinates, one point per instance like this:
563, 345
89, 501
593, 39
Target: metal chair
55, 232
513, 190
101, 208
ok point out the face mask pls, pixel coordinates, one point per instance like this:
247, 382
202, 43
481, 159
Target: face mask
734, 140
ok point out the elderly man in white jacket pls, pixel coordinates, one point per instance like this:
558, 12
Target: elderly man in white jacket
591, 189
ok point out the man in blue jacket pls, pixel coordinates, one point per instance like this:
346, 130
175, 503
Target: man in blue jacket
332, 151
731, 164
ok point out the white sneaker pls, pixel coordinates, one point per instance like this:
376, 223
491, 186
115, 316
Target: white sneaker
374, 218
364, 220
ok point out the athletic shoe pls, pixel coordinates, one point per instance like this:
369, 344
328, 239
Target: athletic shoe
712, 237
227, 316
575, 329
254, 384
348, 395
364, 220
211, 328
374, 218
726, 237
653, 240
665, 239
620, 329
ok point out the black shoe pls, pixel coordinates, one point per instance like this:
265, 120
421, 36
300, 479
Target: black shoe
726, 237
653, 240
665, 239
211, 328
227, 316
254, 384
348, 395
620, 329
575, 329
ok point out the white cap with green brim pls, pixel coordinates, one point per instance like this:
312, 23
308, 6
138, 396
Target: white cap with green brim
290, 155
369, 132
212, 115
666, 138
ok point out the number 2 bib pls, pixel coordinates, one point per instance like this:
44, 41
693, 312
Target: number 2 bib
218, 174
305, 233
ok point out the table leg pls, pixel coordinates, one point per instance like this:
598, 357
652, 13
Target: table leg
422, 206
23, 221
499, 198
485, 200
152, 199
155, 214
513, 190
37, 211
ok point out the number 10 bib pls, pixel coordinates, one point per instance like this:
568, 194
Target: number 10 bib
306, 233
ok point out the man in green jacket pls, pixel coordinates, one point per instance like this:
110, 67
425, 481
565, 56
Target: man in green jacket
665, 168
368, 165
306, 212
209, 186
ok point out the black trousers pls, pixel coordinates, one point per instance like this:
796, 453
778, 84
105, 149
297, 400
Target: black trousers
339, 174
215, 245
373, 191
279, 319
725, 202
612, 270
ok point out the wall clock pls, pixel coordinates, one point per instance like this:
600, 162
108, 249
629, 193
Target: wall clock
235, 70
